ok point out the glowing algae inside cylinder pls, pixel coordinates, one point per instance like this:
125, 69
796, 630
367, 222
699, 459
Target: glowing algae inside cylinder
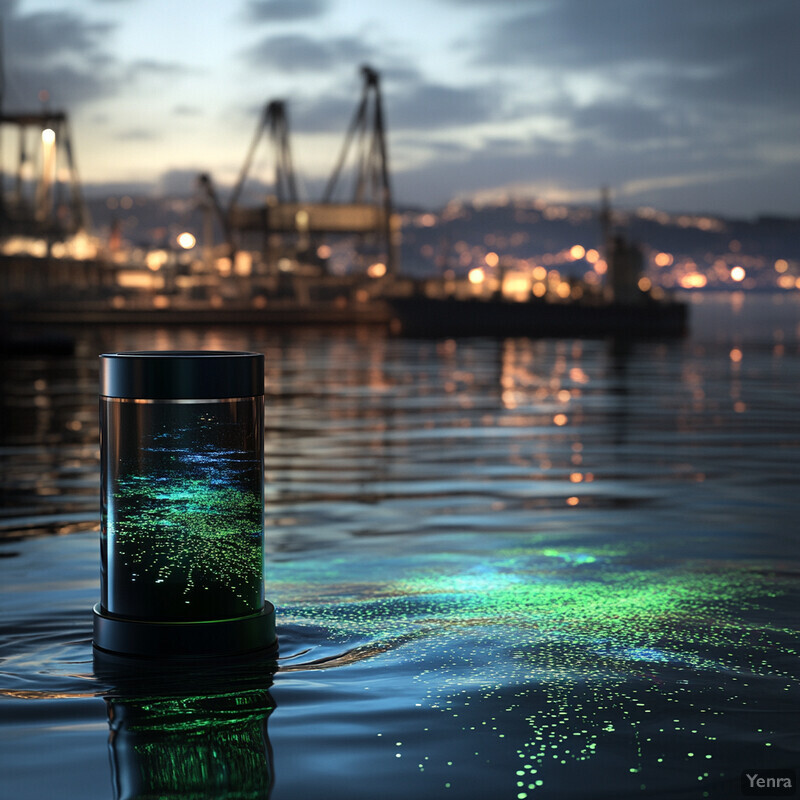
183, 509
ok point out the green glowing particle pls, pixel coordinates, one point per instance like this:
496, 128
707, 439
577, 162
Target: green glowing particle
189, 530
183, 511
578, 650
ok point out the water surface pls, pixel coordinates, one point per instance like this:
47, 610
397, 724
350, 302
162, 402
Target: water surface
503, 568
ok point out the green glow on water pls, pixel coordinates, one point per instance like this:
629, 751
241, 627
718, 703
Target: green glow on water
563, 654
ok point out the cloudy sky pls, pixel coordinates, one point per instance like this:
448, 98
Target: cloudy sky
690, 105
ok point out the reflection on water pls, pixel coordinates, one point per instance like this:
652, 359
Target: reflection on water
176, 738
202, 746
502, 568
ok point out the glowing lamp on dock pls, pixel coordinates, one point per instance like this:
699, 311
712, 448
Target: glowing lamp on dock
182, 534
186, 240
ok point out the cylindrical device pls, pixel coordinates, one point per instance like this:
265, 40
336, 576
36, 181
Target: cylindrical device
182, 504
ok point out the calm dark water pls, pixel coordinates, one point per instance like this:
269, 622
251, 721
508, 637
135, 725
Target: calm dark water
512, 569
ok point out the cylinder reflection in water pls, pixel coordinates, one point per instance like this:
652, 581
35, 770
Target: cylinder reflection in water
182, 536
191, 746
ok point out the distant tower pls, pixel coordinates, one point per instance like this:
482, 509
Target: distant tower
624, 258
625, 262
606, 218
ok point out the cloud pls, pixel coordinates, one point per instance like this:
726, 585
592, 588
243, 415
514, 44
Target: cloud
186, 111
47, 35
67, 54
60, 51
650, 90
675, 172
67, 87
492, 4
588, 33
621, 122
416, 107
502, 143
151, 66
326, 114
735, 194
723, 51
294, 53
284, 10
137, 135
429, 106
400, 74
441, 147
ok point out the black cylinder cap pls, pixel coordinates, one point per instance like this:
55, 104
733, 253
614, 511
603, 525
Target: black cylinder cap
181, 374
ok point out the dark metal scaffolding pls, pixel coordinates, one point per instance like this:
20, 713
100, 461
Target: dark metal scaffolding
367, 213
274, 122
36, 205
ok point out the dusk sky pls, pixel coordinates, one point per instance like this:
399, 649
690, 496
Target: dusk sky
684, 105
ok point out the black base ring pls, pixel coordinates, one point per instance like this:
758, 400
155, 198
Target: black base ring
233, 637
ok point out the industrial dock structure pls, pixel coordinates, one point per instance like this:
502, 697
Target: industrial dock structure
279, 261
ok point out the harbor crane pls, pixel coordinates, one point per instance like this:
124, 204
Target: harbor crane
275, 124
36, 206
367, 213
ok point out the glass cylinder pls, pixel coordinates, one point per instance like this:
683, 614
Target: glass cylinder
182, 527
